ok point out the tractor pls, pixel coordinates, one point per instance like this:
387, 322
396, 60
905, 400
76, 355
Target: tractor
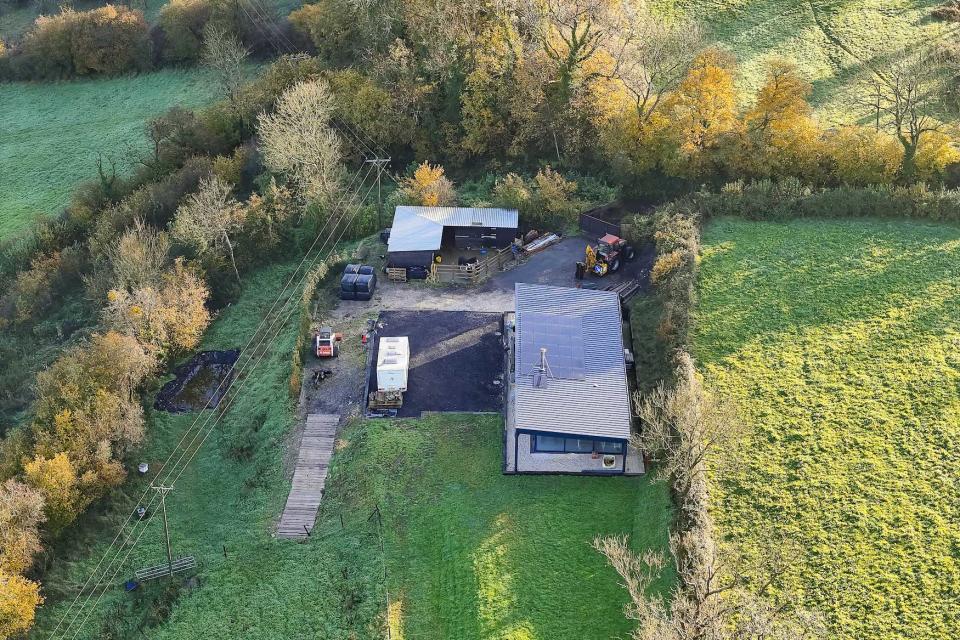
326, 343
608, 255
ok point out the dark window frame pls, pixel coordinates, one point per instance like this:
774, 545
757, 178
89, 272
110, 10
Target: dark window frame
534, 438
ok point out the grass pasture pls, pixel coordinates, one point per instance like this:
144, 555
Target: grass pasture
51, 133
470, 553
840, 343
833, 41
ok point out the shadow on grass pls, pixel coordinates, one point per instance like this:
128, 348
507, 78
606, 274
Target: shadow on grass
476, 554
844, 272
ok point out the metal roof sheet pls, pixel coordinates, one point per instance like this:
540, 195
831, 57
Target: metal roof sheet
421, 228
599, 404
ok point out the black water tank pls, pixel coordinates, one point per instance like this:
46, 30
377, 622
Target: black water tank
348, 286
365, 286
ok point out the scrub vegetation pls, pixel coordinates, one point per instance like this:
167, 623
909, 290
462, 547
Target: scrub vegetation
838, 342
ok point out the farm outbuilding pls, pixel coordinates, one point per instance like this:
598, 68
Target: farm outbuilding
419, 233
569, 405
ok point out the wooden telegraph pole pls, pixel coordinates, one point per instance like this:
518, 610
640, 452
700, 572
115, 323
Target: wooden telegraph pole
166, 527
380, 163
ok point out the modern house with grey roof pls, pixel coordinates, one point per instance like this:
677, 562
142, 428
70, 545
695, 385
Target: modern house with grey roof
568, 408
418, 233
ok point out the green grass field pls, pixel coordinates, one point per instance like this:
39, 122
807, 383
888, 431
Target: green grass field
833, 41
470, 553
475, 554
840, 342
51, 133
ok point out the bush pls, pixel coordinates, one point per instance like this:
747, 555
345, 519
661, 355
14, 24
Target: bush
428, 187
547, 200
332, 27
108, 40
184, 22
949, 11
19, 599
34, 289
785, 199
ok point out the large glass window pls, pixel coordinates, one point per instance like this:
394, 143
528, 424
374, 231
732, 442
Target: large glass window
609, 447
575, 445
555, 444
548, 444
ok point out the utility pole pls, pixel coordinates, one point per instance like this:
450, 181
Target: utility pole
380, 163
166, 527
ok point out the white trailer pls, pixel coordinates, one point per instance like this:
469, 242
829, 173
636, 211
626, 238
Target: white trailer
393, 362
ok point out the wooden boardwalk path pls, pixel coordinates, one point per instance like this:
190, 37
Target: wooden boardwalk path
310, 474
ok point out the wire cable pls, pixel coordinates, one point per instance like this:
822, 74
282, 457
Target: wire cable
236, 370
289, 315
229, 374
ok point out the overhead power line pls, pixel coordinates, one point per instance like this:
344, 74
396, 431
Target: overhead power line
229, 374
238, 371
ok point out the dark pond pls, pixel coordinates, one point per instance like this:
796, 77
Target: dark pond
198, 382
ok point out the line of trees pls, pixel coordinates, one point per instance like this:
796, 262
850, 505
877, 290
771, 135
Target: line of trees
598, 83
116, 39
153, 260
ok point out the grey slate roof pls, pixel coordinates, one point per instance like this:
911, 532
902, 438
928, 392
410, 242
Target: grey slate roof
599, 404
421, 228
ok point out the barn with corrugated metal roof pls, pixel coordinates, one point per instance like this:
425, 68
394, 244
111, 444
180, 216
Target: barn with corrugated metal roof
418, 233
569, 407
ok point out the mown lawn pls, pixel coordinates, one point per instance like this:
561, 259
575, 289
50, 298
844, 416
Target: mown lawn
475, 554
832, 41
51, 133
840, 342
470, 553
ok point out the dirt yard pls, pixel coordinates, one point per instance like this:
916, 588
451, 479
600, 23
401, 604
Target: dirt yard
343, 392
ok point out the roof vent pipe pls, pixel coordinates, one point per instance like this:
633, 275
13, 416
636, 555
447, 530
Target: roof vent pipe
542, 369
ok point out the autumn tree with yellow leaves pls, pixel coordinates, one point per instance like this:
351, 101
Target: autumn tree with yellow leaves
781, 136
19, 599
428, 187
702, 115
168, 319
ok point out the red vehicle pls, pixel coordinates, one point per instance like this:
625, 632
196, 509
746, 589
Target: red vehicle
326, 343
608, 255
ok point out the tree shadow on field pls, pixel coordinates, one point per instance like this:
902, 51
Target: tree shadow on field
765, 287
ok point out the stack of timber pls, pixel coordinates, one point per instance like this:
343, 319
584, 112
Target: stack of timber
541, 243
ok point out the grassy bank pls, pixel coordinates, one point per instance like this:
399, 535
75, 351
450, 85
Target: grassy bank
470, 553
832, 41
839, 341
51, 133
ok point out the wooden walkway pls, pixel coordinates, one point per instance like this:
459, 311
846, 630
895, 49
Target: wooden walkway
316, 447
